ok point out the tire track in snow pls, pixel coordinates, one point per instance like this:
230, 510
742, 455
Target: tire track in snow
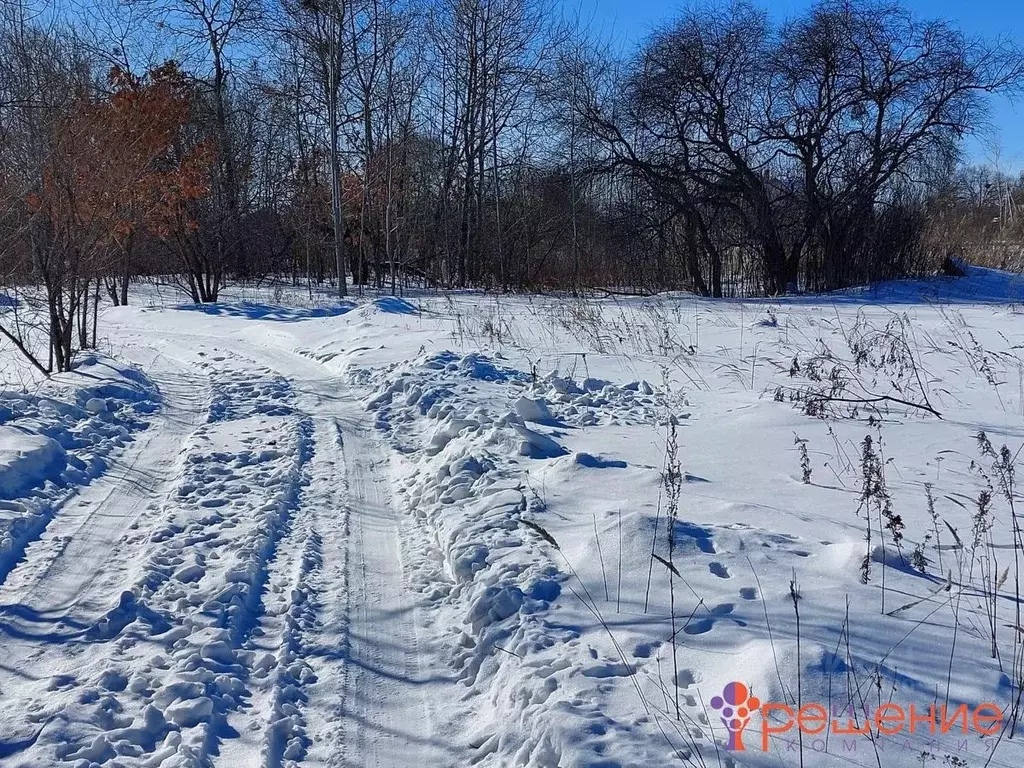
387, 714
325, 643
296, 592
80, 517
199, 596
73, 573
59, 568
372, 701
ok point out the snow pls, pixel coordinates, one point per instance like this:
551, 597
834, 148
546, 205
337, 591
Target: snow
26, 460
51, 442
435, 530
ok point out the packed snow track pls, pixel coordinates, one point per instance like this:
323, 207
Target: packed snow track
228, 591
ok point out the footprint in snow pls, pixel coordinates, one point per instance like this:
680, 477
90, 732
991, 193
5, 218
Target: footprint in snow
62, 682
604, 671
720, 570
705, 623
703, 538
644, 650
748, 593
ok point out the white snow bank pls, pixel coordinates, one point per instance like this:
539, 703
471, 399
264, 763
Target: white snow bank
26, 460
61, 437
478, 556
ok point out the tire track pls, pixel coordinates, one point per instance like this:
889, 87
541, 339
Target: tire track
291, 628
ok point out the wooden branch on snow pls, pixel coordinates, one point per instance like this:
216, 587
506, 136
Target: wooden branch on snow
880, 399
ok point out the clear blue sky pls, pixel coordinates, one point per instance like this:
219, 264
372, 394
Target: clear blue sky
628, 20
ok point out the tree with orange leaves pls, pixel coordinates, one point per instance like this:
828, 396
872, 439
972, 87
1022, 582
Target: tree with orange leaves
137, 177
116, 168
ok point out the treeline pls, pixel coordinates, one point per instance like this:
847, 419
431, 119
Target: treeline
484, 143
978, 218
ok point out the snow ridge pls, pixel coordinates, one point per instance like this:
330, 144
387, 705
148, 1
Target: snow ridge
476, 556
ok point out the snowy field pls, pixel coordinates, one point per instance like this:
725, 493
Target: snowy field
520, 531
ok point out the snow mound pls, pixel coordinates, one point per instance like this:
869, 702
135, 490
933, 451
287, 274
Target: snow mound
479, 553
26, 460
60, 438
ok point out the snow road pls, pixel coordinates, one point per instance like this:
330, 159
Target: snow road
69, 576
325, 653
439, 534
66, 575
389, 719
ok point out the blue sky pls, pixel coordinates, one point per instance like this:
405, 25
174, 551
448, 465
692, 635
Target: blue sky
628, 20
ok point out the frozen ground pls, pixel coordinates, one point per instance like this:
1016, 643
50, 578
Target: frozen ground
454, 531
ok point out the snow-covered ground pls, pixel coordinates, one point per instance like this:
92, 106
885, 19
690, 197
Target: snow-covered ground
520, 531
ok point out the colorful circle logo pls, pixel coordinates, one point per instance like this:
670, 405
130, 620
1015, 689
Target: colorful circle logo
736, 705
